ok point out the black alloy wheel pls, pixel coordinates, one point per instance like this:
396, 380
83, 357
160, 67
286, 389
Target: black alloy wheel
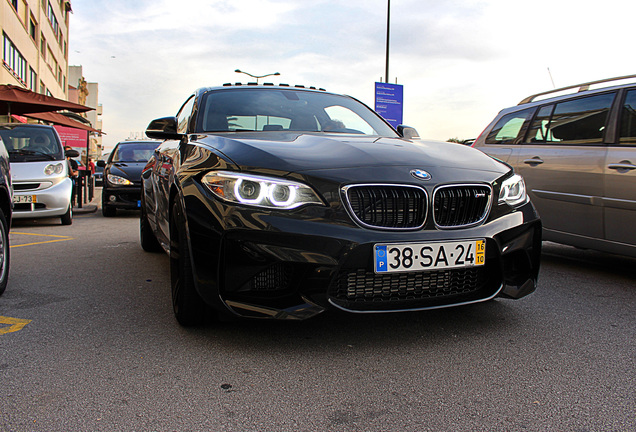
189, 308
4, 253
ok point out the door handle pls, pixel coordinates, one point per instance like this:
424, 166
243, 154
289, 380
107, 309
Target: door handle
534, 161
623, 166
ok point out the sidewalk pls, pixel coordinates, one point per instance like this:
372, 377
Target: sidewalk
91, 206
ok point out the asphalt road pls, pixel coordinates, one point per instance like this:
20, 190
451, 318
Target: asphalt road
88, 343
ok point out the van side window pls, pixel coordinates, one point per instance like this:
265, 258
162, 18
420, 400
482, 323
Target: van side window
539, 131
628, 119
508, 129
577, 121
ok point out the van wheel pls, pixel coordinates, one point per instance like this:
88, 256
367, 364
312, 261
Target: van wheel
67, 218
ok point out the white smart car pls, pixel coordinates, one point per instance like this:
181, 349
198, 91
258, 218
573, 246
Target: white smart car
39, 171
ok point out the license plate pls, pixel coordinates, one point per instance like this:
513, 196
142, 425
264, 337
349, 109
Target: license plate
412, 257
25, 199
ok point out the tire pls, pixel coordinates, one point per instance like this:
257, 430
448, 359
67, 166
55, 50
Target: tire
147, 238
4, 253
67, 218
108, 211
189, 308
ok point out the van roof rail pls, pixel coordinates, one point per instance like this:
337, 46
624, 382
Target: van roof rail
581, 87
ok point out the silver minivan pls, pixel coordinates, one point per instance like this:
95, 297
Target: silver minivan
39, 172
577, 154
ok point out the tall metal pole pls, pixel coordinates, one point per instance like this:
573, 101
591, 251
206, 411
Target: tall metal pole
388, 23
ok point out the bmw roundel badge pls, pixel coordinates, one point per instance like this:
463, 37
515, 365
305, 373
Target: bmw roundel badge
420, 174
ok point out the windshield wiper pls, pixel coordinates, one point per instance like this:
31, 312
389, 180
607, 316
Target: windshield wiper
23, 152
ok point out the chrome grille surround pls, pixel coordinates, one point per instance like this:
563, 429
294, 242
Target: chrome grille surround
387, 206
461, 205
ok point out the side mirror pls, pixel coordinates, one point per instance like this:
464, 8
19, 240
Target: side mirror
101, 163
163, 128
71, 153
407, 132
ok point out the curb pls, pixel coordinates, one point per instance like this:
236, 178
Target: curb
86, 208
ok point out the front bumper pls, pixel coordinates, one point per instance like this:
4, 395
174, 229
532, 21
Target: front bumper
256, 264
52, 198
124, 197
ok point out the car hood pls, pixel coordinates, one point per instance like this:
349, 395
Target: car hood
34, 171
127, 170
307, 153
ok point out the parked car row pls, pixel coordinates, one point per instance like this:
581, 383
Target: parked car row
281, 202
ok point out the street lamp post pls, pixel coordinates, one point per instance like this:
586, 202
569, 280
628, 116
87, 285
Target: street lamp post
256, 76
388, 32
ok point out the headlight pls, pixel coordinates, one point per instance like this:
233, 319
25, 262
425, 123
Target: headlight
513, 191
259, 191
119, 181
52, 169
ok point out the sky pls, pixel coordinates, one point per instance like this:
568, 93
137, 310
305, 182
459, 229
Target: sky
460, 61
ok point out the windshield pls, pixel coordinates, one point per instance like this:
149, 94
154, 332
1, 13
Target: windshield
133, 151
31, 144
240, 110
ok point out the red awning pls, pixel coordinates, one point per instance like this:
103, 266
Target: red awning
61, 119
18, 100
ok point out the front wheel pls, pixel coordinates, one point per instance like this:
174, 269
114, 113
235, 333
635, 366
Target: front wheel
4, 252
108, 211
147, 238
67, 218
189, 308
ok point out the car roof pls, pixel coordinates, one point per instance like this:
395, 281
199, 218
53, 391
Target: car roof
573, 91
260, 86
29, 125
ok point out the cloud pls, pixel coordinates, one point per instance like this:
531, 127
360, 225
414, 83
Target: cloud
460, 61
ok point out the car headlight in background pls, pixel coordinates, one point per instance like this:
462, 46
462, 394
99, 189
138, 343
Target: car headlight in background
119, 181
54, 169
259, 191
513, 191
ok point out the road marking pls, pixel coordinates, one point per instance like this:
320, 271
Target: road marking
15, 324
59, 238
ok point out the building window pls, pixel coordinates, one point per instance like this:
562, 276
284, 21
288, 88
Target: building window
33, 80
14, 3
33, 28
13, 60
43, 46
53, 20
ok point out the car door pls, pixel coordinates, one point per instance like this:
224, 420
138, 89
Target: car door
620, 178
163, 174
562, 161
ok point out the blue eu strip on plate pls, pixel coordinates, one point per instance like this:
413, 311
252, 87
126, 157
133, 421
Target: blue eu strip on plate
380, 259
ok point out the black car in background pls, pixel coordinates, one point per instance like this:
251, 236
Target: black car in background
121, 184
280, 202
6, 211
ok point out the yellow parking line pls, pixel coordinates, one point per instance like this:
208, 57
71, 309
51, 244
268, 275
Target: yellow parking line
59, 238
15, 324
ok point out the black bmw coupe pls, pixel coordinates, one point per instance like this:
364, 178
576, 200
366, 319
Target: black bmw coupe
281, 202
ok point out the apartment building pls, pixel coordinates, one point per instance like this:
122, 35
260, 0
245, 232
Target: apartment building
35, 45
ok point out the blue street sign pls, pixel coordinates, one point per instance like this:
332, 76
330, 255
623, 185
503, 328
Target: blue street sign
388, 102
